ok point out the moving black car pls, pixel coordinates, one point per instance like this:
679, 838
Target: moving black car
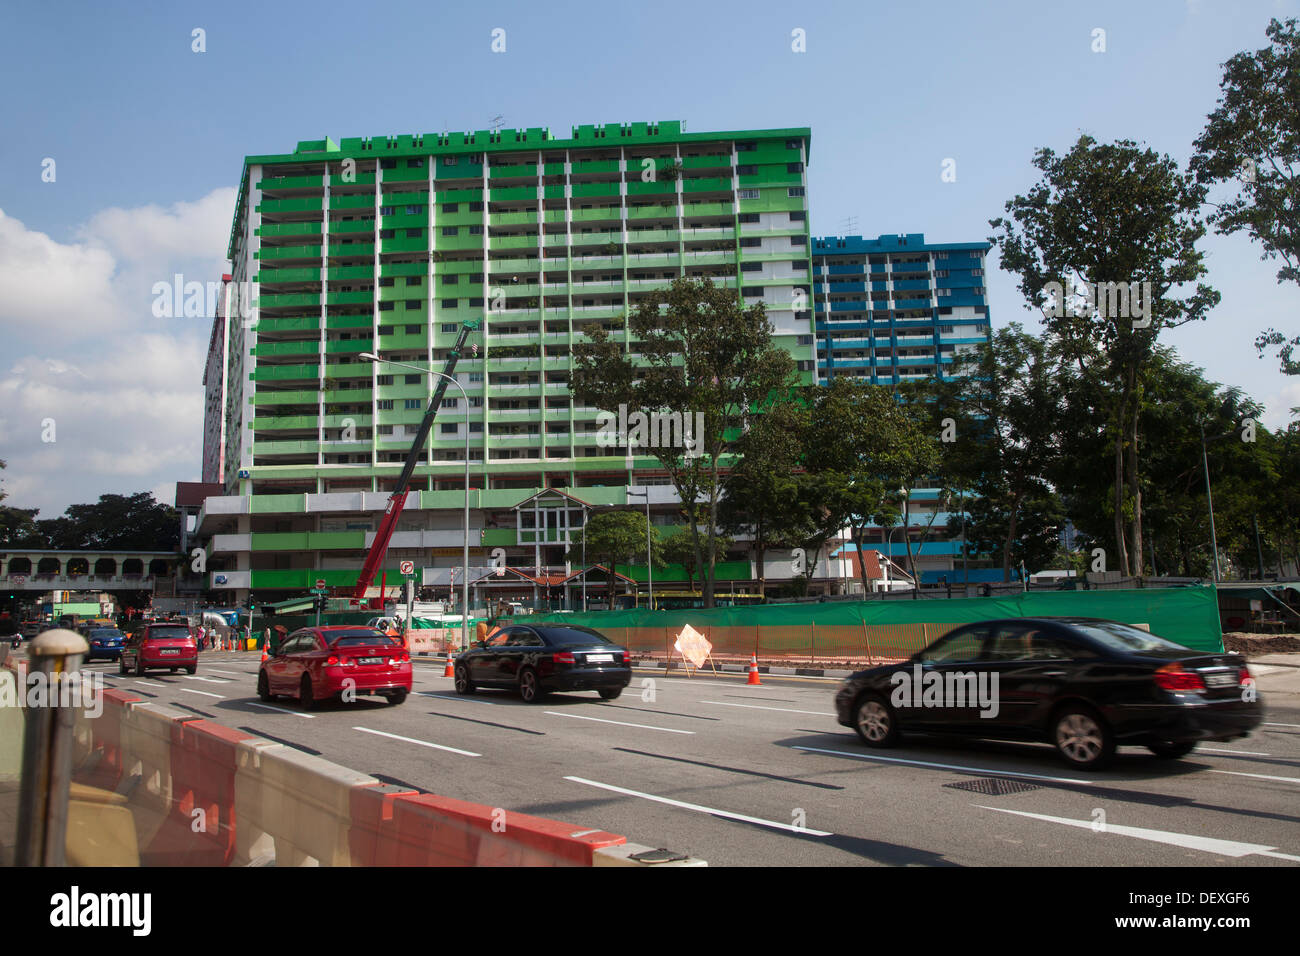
541, 658
1082, 684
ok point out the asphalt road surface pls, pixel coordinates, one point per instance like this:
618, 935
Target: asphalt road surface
742, 775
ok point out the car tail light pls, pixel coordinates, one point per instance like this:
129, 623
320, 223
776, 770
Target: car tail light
565, 657
331, 661
1173, 677
402, 659
627, 658
1244, 677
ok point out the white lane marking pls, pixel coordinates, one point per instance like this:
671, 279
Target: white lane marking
209, 680
699, 809
1258, 776
149, 683
1274, 723
705, 683
984, 771
231, 673
282, 710
784, 710
1232, 848
412, 740
1218, 750
621, 723
740, 680
187, 690
467, 700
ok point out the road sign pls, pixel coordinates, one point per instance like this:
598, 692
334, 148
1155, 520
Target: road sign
320, 582
408, 567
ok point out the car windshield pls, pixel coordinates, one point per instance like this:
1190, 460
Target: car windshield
1125, 637
168, 633
564, 636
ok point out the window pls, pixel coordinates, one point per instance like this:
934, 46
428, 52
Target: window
450, 230
415, 164
388, 164
449, 160
751, 243
805, 340
387, 233
386, 281
748, 194
794, 167
386, 210
411, 403
798, 216
476, 376
476, 207
385, 306
450, 206
450, 280
475, 427
387, 329
449, 326
751, 267
385, 380
448, 429
449, 304
796, 240
792, 144
414, 233
752, 290
414, 210
794, 191
413, 305
449, 402
746, 170
960, 646
475, 402
411, 379
747, 217
385, 429
385, 405
415, 280
476, 230
799, 265
746, 147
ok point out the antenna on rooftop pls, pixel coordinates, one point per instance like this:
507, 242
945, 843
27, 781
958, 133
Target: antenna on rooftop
849, 226
495, 123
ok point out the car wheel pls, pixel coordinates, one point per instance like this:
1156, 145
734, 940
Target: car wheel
463, 684
1167, 750
139, 667
174, 669
192, 668
610, 693
306, 696
875, 721
1082, 737
528, 688
263, 687
397, 696
121, 666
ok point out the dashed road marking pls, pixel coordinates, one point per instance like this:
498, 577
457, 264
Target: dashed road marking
981, 771
784, 710
422, 743
621, 723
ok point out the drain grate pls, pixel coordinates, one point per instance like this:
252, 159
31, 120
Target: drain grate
993, 785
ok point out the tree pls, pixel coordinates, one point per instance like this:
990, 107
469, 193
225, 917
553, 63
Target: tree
17, 525
703, 358
1005, 403
762, 492
613, 538
1252, 140
1113, 217
679, 548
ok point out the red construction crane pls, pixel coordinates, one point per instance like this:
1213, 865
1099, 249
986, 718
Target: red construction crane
397, 501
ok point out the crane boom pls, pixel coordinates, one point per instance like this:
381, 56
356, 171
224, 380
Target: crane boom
397, 500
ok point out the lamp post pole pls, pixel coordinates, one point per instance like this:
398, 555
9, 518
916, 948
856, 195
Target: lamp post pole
1209, 499
464, 610
649, 564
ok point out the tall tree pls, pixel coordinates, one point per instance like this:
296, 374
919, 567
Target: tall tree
1109, 216
1252, 141
699, 353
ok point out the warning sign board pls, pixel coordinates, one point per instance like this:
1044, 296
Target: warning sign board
693, 646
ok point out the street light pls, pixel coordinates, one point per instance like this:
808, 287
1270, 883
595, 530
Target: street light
649, 563
1209, 500
464, 610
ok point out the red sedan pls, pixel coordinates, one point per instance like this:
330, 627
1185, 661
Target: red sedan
337, 661
159, 645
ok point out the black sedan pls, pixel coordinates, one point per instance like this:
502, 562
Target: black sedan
1083, 684
540, 658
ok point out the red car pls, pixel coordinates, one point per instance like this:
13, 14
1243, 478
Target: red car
157, 646
320, 663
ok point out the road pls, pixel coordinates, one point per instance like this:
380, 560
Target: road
762, 776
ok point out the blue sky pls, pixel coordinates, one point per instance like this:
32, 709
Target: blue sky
148, 139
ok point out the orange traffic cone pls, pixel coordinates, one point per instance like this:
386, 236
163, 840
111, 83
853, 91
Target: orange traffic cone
753, 670
448, 671
266, 651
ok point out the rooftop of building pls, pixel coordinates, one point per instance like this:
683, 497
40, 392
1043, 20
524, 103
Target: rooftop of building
591, 136
890, 242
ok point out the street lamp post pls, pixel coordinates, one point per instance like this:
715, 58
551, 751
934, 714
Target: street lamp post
649, 563
1209, 499
464, 610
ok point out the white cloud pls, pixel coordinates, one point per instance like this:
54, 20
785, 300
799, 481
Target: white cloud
1277, 414
121, 391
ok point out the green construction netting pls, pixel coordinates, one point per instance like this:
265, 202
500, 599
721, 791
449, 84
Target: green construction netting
853, 629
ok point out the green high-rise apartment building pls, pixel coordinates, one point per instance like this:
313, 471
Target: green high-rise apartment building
387, 245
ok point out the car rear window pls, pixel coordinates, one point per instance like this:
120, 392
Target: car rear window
103, 632
1124, 637
168, 633
360, 636
565, 636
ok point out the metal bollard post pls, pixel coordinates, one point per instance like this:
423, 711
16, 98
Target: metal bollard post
47, 751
